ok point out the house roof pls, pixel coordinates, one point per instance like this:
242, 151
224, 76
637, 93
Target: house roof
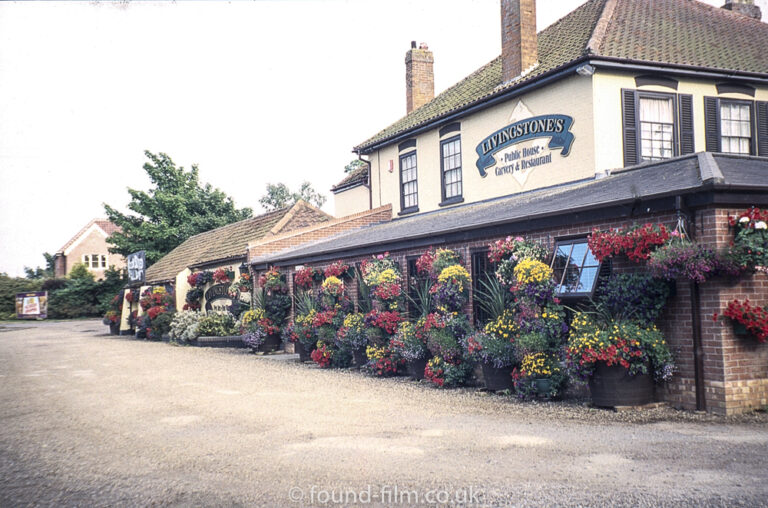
230, 241
647, 181
105, 225
669, 32
354, 178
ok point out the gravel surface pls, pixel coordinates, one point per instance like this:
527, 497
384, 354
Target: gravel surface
87, 419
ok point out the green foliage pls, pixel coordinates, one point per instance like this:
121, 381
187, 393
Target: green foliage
534, 342
79, 272
9, 286
78, 299
161, 325
421, 301
493, 297
633, 296
217, 324
42, 273
354, 165
305, 302
176, 207
279, 196
364, 304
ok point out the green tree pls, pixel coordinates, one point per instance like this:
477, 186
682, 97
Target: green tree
79, 272
279, 196
9, 286
42, 273
354, 165
176, 207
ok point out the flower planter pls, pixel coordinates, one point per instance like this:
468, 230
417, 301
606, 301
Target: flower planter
213, 341
613, 386
543, 386
359, 357
305, 354
271, 343
739, 329
497, 379
114, 328
416, 368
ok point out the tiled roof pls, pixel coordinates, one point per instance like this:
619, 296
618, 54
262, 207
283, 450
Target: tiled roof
230, 241
104, 224
355, 177
671, 32
680, 175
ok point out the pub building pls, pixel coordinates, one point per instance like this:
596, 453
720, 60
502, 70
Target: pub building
624, 112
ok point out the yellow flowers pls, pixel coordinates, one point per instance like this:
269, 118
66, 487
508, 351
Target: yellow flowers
158, 290
456, 273
375, 353
538, 364
503, 326
532, 271
305, 320
354, 321
252, 315
388, 276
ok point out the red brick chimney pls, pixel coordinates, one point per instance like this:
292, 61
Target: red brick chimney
419, 76
519, 47
744, 7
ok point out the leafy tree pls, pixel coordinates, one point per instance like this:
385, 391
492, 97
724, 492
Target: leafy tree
279, 196
176, 207
79, 272
354, 165
42, 273
9, 286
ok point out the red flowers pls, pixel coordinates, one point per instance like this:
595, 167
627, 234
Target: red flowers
387, 291
305, 278
754, 318
753, 215
636, 243
322, 356
155, 311
336, 269
222, 276
387, 321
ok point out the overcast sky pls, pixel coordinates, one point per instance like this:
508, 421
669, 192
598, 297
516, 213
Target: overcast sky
252, 92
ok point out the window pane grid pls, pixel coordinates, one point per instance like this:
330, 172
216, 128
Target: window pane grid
656, 128
735, 128
575, 268
409, 183
452, 185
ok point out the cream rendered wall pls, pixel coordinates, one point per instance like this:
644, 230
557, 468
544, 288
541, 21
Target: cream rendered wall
203, 300
181, 287
571, 96
350, 201
609, 147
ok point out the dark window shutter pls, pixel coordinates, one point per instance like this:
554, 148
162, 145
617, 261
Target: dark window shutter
712, 124
761, 108
686, 124
628, 104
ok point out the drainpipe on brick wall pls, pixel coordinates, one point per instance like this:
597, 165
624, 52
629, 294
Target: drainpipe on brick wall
698, 351
368, 186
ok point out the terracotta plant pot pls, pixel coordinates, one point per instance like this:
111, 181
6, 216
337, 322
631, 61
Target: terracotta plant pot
614, 386
497, 379
416, 368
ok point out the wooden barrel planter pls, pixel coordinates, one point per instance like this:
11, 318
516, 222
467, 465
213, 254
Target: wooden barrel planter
114, 328
271, 343
497, 379
416, 368
614, 386
305, 354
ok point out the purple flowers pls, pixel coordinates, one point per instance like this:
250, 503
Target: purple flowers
684, 260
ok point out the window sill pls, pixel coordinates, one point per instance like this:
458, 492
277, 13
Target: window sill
408, 211
452, 201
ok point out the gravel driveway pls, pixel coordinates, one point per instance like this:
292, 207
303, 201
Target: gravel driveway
92, 420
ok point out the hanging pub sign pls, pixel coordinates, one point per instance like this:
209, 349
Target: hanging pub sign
137, 266
32, 305
218, 298
499, 149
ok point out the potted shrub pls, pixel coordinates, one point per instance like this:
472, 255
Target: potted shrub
383, 361
352, 336
750, 243
382, 275
540, 375
620, 359
447, 374
496, 356
410, 343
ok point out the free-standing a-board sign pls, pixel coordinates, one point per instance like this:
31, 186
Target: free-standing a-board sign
137, 266
32, 305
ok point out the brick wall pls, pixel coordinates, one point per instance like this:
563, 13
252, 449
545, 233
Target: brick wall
735, 369
419, 77
519, 46
93, 243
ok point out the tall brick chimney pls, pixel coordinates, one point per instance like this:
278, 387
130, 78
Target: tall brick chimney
519, 47
419, 76
745, 7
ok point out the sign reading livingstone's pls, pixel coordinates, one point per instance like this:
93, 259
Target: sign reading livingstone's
555, 127
136, 264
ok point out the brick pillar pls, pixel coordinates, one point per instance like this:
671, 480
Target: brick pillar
519, 45
419, 76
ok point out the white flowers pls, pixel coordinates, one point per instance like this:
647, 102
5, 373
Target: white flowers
744, 219
761, 225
